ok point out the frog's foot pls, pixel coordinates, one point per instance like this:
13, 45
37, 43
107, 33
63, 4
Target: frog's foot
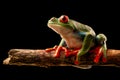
68, 52
72, 52
97, 58
57, 50
77, 62
99, 53
104, 59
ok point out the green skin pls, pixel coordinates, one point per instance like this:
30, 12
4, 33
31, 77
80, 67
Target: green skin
77, 35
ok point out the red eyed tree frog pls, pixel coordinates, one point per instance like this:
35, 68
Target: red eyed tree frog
78, 37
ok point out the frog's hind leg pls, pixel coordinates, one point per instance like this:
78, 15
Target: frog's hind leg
101, 40
87, 43
99, 53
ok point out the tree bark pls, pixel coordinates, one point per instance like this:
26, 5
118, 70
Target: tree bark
37, 57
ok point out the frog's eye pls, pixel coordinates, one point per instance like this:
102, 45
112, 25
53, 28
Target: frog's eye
64, 19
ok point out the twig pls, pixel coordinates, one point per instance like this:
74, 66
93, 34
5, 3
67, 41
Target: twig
42, 58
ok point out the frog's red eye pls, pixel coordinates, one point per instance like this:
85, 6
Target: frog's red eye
64, 19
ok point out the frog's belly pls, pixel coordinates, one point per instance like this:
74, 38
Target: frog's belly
72, 40
74, 43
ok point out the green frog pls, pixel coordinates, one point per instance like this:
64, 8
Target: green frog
77, 39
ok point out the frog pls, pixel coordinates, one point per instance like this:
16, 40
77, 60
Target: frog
77, 39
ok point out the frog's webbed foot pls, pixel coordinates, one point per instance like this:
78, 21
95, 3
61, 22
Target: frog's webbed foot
68, 52
77, 61
99, 53
57, 50
73, 53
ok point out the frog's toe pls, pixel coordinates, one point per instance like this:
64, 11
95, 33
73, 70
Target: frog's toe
57, 52
76, 62
96, 60
104, 59
66, 51
51, 49
57, 55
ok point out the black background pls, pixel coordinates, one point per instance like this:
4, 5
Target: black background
24, 26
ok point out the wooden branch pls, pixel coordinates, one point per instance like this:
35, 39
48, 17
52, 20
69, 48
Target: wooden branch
44, 59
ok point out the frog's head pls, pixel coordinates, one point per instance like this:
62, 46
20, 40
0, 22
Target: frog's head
61, 25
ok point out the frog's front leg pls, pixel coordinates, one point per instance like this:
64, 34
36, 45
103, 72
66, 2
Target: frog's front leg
86, 45
59, 48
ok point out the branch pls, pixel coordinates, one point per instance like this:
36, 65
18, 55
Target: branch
42, 58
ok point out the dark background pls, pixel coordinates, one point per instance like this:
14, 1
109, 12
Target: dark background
24, 26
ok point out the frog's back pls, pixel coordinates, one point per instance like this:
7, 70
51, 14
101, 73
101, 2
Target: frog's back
82, 27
